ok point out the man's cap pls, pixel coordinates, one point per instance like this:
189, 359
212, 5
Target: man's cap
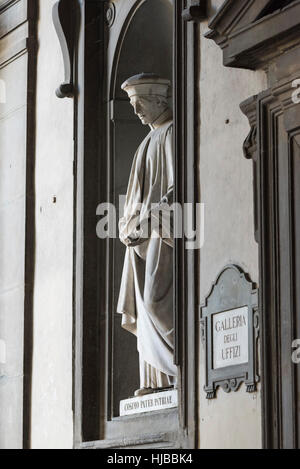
147, 84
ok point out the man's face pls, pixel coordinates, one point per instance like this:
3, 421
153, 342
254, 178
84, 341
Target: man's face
148, 109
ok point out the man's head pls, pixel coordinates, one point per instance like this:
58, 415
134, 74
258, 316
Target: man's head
148, 95
148, 108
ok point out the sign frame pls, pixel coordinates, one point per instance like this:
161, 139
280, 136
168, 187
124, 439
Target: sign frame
232, 290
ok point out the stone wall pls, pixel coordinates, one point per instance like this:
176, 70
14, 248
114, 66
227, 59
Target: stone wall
14, 151
232, 420
225, 177
52, 423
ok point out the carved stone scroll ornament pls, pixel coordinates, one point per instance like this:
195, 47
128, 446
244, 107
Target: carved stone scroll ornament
110, 14
195, 11
250, 147
63, 18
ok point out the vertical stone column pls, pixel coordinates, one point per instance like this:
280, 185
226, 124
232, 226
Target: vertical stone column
16, 203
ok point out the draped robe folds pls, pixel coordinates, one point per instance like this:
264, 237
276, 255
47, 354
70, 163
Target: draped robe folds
146, 294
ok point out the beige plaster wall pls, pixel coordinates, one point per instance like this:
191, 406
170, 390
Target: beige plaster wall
232, 420
52, 421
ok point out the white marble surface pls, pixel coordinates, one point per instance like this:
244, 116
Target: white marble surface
149, 403
231, 338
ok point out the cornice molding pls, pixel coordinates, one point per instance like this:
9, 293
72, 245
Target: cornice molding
4, 4
17, 29
248, 38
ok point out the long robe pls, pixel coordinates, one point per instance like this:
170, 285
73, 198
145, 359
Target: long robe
146, 294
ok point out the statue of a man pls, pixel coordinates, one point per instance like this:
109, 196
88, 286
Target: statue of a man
146, 295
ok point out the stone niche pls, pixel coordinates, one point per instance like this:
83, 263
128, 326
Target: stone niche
141, 51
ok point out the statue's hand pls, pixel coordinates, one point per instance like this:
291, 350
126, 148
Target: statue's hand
141, 234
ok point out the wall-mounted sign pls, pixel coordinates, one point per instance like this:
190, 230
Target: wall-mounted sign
149, 403
230, 330
230, 338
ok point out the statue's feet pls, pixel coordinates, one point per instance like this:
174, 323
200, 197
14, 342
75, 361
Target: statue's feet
143, 392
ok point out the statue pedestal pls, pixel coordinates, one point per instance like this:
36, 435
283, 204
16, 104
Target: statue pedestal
149, 403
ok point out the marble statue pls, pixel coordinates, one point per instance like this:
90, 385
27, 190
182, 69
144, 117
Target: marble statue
146, 294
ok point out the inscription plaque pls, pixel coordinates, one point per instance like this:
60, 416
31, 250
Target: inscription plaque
230, 332
149, 403
230, 338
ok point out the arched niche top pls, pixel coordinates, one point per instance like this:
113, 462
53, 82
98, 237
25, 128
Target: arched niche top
133, 46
